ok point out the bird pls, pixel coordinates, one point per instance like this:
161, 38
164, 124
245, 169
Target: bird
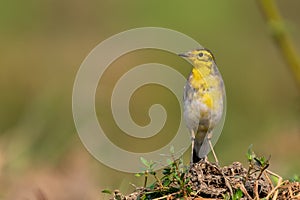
203, 101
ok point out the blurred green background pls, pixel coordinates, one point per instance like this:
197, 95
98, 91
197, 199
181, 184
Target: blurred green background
42, 44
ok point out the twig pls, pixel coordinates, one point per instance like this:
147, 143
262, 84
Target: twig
225, 179
133, 185
262, 170
228, 184
292, 196
159, 182
281, 37
279, 183
297, 196
167, 196
242, 187
256, 190
275, 188
268, 179
275, 195
274, 174
290, 191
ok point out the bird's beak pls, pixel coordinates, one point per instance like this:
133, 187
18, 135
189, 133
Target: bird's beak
185, 55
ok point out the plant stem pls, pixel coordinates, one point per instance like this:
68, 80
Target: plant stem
146, 178
159, 182
281, 36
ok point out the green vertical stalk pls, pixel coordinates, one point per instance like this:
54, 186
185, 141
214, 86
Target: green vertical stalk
281, 36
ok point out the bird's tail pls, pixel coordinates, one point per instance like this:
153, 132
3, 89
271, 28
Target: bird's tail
201, 149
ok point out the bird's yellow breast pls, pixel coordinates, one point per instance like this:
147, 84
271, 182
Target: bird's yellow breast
204, 83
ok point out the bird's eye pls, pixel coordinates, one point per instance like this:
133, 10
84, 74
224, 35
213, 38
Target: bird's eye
200, 54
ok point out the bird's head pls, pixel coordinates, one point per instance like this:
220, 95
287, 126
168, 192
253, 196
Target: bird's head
199, 57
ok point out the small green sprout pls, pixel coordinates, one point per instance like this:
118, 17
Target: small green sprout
256, 164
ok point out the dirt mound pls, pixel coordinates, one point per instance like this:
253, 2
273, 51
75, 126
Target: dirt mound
205, 180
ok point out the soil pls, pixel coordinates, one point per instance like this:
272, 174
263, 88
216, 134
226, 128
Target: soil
209, 181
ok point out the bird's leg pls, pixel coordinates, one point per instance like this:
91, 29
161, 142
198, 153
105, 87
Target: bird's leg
212, 149
193, 143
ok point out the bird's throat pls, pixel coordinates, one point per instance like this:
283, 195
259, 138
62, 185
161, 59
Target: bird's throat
198, 77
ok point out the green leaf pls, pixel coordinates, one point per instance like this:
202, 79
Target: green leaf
169, 161
186, 181
296, 178
145, 162
152, 165
182, 176
189, 189
237, 195
152, 186
166, 171
226, 196
106, 191
177, 178
139, 174
275, 179
166, 182
172, 149
250, 153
